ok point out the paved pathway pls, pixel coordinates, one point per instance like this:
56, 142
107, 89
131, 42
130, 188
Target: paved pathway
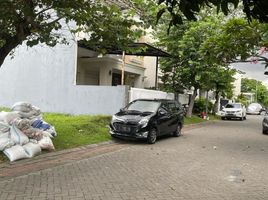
224, 160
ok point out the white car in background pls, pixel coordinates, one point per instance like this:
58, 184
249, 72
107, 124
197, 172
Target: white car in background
234, 111
255, 109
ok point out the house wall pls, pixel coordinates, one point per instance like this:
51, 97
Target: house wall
237, 84
98, 71
45, 77
150, 72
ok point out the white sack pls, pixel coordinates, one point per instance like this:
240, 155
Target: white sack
22, 106
46, 143
4, 135
5, 141
4, 127
15, 153
32, 149
17, 136
8, 117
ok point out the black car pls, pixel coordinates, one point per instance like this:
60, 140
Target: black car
147, 119
265, 123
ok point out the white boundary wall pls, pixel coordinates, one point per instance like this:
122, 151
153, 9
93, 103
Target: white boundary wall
45, 77
137, 93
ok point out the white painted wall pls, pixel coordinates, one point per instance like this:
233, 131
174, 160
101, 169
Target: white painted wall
45, 77
237, 84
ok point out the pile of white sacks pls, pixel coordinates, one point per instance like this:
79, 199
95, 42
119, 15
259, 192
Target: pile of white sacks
23, 133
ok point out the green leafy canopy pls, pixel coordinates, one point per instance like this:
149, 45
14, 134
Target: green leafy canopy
42, 21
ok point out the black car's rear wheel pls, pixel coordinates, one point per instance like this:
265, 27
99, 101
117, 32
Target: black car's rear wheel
177, 133
152, 136
264, 131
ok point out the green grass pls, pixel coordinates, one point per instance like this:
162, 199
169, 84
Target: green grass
74, 131
196, 119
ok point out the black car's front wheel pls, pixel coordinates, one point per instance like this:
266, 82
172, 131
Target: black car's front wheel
152, 136
177, 133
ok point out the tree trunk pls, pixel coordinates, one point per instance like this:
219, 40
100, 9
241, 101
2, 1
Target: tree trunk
216, 104
191, 104
22, 31
10, 44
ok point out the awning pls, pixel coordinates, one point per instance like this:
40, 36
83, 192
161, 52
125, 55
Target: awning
136, 49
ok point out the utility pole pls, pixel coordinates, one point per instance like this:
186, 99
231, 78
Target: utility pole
123, 68
207, 105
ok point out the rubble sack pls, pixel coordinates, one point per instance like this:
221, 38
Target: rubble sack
16, 152
23, 133
32, 149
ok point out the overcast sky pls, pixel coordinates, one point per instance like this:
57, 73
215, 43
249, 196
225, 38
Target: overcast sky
255, 71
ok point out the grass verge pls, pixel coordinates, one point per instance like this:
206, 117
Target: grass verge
196, 119
74, 131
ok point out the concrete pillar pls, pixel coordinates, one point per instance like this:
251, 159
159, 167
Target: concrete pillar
105, 75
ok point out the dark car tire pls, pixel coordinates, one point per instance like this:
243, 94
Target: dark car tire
241, 118
177, 133
264, 132
223, 118
152, 136
245, 117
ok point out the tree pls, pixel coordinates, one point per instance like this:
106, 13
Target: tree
236, 41
242, 99
188, 67
41, 21
220, 80
178, 9
256, 87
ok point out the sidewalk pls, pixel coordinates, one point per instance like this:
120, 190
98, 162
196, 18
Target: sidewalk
53, 159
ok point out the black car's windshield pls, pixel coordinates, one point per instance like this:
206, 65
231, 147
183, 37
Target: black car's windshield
143, 106
235, 105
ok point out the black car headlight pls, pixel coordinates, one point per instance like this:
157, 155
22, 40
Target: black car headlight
144, 122
115, 118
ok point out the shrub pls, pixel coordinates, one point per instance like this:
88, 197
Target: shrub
200, 106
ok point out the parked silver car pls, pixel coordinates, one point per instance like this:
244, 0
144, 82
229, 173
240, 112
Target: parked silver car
255, 109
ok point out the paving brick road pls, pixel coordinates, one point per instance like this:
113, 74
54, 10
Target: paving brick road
226, 160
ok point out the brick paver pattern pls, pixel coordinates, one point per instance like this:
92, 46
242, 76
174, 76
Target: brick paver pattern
226, 160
